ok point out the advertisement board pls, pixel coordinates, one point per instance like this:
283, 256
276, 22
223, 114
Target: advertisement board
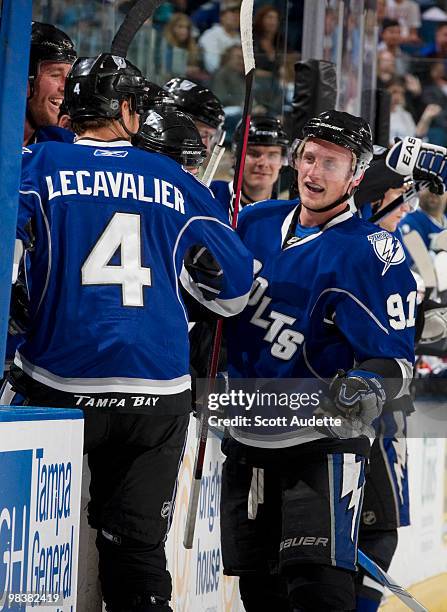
40, 487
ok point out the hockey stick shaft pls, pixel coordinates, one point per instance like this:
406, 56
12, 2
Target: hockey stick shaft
247, 49
385, 580
137, 15
214, 161
389, 208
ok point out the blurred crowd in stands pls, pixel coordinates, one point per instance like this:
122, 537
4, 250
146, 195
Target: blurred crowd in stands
201, 40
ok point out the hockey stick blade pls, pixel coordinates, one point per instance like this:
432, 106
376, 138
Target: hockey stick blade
421, 257
247, 35
137, 15
214, 161
385, 580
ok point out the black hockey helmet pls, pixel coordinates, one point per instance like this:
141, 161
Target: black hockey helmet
95, 86
49, 44
345, 130
195, 100
264, 130
172, 133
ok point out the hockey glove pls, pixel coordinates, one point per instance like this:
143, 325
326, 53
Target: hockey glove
421, 160
205, 271
359, 396
19, 317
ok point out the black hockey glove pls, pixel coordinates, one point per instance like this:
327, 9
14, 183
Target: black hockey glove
359, 396
205, 271
19, 310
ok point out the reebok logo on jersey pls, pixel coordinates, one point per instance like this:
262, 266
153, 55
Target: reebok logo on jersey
388, 249
109, 153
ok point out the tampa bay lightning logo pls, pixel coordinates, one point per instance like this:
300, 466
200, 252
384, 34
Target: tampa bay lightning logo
388, 249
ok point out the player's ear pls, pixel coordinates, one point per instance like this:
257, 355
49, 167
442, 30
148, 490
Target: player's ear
357, 180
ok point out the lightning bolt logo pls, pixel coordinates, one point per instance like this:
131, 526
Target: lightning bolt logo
388, 253
351, 486
400, 448
388, 249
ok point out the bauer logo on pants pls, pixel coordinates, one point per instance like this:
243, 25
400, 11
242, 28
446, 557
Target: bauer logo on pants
388, 249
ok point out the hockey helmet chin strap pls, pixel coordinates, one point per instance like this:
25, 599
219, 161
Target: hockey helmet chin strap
343, 198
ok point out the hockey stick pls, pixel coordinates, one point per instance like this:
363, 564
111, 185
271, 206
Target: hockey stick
421, 257
214, 161
389, 208
137, 15
249, 64
385, 580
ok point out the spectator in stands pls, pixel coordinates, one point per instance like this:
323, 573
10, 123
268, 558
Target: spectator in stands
267, 46
228, 82
391, 40
177, 53
386, 68
266, 41
381, 13
221, 35
435, 50
408, 14
435, 92
402, 123
206, 15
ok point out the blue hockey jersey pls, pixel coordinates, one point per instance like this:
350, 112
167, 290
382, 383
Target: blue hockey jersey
425, 225
333, 299
111, 226
222, 191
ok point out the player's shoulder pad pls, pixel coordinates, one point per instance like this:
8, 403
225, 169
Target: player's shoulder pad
266, 209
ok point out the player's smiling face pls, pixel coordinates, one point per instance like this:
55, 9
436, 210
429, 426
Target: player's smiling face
262, 166
324, 173
48, 92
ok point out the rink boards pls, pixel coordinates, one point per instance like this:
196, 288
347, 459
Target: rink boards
40, 492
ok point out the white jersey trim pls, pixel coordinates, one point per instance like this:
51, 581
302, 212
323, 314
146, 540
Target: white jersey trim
91, 142
215, 305
224, 308
357, 301
288, 220
103, 385
284, 440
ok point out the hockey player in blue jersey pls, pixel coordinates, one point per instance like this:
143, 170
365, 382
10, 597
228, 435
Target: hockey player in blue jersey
108, 228
429, 220
333, 300
267, 150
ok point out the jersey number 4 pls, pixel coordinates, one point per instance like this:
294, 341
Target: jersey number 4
124, 233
